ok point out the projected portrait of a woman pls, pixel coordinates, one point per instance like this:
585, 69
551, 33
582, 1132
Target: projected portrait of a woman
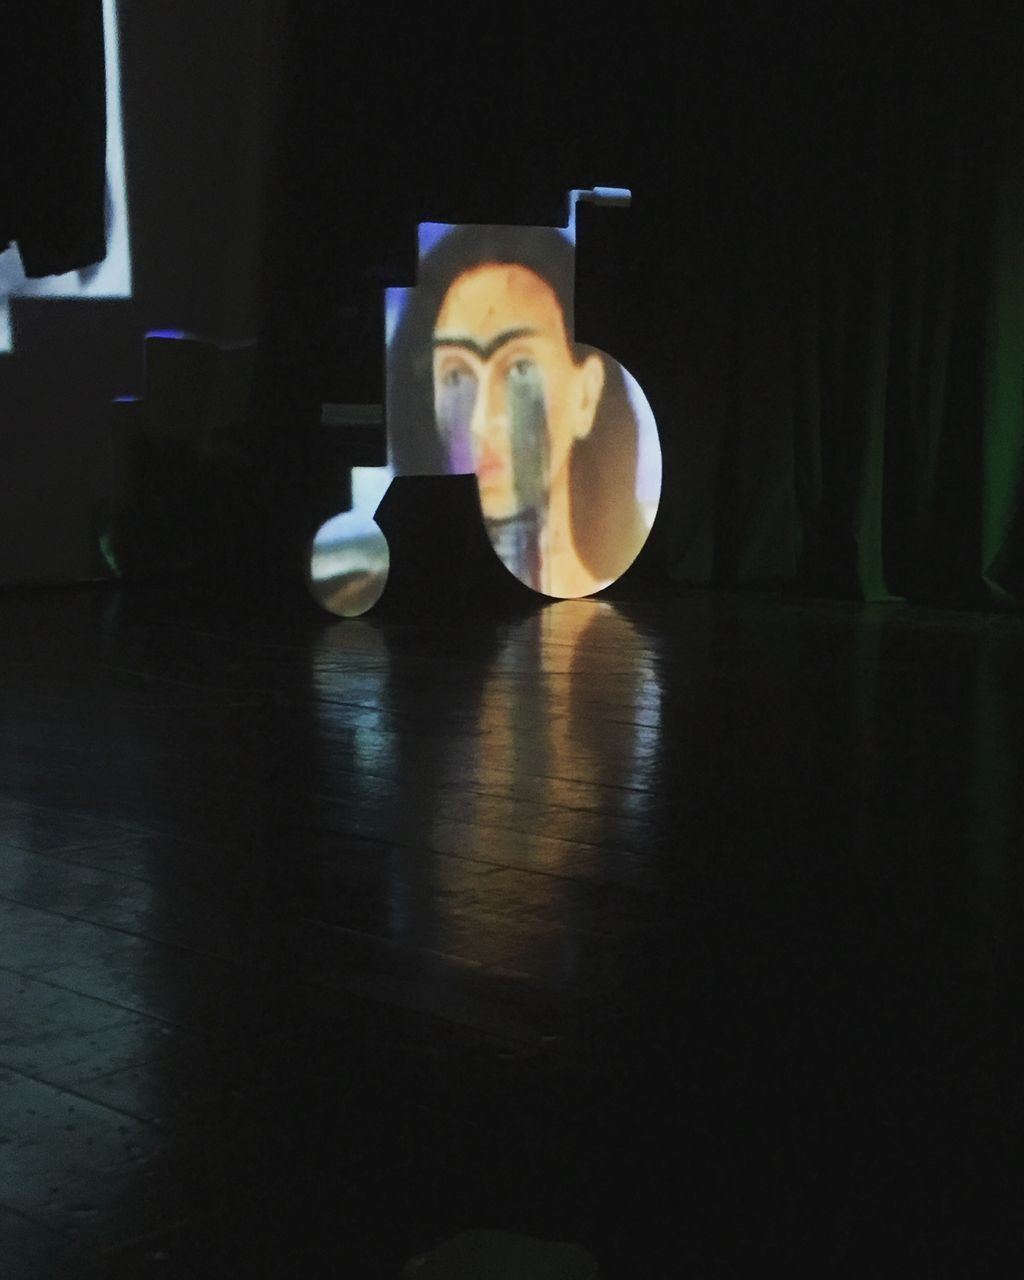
484, 377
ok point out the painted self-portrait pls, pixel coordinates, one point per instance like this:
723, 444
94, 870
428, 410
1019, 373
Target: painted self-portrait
484, 377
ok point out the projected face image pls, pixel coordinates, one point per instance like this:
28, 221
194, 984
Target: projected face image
506, 378
484, 377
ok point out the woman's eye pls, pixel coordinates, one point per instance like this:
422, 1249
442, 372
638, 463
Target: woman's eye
454, 377
521, 368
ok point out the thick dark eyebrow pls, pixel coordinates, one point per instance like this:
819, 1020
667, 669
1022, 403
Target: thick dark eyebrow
484, 351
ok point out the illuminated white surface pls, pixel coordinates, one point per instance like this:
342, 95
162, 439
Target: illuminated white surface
369, 484
113, 277
349, 559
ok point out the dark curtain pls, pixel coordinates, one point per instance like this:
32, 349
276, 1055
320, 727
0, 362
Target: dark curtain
53, 134
820, 284
871, 423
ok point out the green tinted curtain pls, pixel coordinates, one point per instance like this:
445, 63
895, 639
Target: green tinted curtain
866, 437
1002, 531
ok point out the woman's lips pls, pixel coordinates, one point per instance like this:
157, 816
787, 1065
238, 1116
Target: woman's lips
489, 467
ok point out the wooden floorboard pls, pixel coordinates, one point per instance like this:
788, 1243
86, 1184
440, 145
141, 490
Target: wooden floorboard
687, 928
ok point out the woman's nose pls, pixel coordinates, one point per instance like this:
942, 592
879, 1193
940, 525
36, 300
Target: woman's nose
490, 411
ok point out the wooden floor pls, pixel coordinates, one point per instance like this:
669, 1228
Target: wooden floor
688, 929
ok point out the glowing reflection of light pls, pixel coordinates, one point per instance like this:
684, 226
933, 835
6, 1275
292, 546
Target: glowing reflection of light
474, 854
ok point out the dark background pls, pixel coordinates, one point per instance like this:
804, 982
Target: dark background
814, 284
686, 927
197, 82
818, 283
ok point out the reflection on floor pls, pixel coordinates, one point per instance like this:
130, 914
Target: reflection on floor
687, 929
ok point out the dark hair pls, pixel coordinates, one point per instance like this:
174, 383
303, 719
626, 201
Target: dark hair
602, 467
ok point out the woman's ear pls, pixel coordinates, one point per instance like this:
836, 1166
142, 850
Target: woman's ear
591, 388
